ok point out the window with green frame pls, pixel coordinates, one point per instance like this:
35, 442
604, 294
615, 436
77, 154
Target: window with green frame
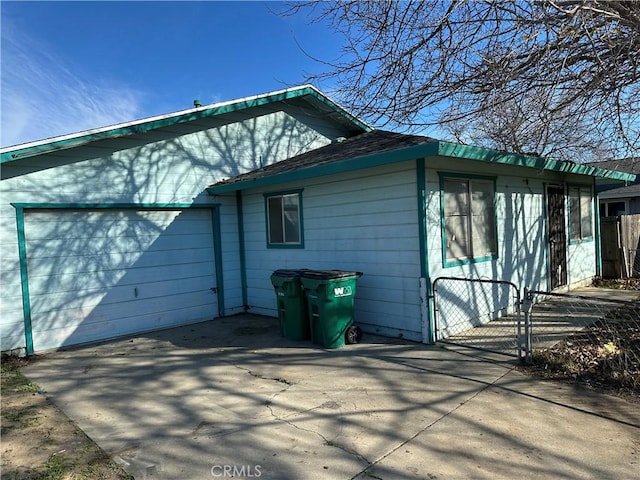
580, 213
284, 219
468, 219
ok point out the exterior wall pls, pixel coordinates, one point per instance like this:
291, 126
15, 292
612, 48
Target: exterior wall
522, 257
581, 262
521, 228
174, 170
362, 221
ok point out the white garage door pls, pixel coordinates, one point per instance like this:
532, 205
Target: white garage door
100, 274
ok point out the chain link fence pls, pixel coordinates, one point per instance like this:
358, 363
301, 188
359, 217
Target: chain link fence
586, 338
478, 313
591, 339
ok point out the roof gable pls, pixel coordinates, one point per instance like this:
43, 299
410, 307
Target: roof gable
307, 93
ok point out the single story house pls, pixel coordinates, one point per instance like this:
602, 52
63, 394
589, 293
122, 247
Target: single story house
619, 198
182, 218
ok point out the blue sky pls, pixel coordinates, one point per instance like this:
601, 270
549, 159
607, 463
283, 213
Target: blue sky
70, 66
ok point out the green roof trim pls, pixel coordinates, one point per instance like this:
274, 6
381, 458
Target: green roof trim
18, 152
448, 149
436, 148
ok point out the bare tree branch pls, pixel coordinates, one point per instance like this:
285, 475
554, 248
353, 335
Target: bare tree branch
438, 62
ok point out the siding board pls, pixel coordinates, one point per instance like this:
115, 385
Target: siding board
165, 169
363, 221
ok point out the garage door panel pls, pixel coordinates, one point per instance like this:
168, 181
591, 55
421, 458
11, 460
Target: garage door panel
65, 336
77, 314
45, 248
99, 223
105, 281
105, 262
120, 293
150, 263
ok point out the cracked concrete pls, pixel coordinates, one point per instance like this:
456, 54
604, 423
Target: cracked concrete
187, 403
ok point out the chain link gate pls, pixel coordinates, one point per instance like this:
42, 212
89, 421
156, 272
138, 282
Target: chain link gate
479, 313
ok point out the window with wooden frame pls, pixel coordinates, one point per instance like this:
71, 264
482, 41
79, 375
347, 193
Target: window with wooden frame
284, 219
468, 219
580, 213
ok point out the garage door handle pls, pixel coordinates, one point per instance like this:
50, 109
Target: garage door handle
214, 289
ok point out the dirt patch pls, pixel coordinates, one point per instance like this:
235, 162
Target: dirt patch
604, 356
621, 284
39, 442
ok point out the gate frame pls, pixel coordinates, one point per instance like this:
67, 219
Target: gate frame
518, 313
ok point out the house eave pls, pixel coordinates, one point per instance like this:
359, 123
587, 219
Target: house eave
455, 150
436, 148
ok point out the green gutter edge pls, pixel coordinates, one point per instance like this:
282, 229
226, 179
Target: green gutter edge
494, 156
22, 245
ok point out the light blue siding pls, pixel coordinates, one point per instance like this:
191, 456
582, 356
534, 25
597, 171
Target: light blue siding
523, 256
364, 221
167, 169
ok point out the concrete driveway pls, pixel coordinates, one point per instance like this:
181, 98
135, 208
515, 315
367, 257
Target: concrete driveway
231, 398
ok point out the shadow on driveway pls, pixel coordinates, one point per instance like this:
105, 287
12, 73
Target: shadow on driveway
230, 397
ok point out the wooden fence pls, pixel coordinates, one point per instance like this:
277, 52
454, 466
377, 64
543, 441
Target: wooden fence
620, 246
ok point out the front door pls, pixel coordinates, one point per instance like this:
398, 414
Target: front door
557, 236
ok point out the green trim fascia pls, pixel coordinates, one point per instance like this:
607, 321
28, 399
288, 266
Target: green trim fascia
467, 261
300, 212
342, 166
145, 126
217, 255
22, 245
113, 206
334, 106
455, 150
24, 281
241, 250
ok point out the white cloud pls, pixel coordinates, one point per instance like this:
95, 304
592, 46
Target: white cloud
44, 95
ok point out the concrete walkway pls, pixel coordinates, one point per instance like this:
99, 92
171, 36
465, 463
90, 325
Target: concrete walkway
231, 397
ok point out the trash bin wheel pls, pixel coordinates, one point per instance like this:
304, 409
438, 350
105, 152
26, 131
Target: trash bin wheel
353, 335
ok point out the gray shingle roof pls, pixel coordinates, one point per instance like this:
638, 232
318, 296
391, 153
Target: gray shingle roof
629, 165
376, 141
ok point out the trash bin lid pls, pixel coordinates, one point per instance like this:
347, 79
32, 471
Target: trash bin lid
285, 272
329, 274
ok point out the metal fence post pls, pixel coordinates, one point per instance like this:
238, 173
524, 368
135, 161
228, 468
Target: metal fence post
527, 306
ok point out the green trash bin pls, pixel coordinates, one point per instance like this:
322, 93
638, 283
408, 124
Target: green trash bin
330, 298
292, 304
